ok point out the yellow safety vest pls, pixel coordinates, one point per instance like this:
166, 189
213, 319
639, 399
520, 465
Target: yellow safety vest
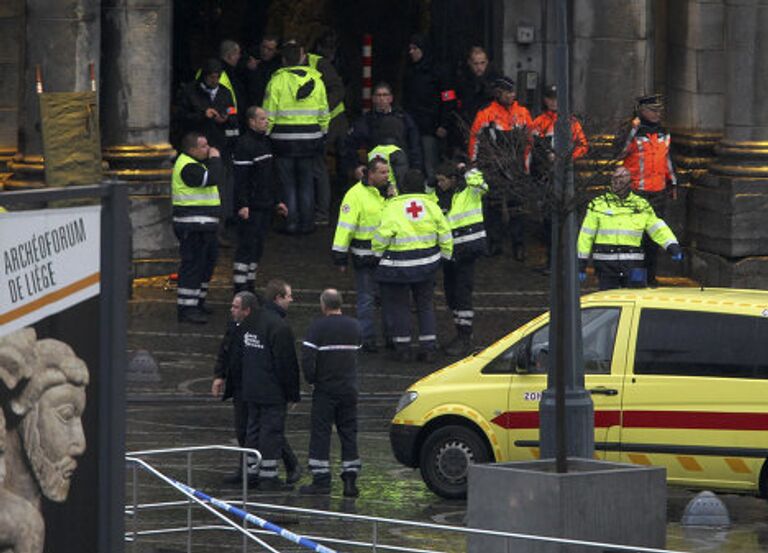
313, 60
465, 216
359, 217
412, 238
614, 228
183, 195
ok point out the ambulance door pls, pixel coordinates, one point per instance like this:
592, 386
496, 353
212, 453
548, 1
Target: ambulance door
604, 371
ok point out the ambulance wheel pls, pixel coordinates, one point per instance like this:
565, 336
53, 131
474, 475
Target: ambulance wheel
445, 458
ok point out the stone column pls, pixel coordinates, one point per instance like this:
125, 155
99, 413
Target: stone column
135, 121
695, 83
727, 214
63, 38
136, 91
11, 39
612, 59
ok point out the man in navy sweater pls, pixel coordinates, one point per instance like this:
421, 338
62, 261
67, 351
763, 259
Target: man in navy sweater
329, 361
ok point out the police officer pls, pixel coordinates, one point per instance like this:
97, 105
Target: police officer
329, 361
255, 198
544, 154
359, 217
410, 242
267, 360
645, 149
612, 230
504, 122
196, 174
460, 196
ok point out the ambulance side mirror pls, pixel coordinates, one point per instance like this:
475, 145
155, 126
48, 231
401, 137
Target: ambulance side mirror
523, 357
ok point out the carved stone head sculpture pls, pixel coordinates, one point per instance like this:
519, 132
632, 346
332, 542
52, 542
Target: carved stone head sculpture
48, 395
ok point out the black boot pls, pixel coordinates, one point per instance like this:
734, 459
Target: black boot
321, 485
273, 485
350, 486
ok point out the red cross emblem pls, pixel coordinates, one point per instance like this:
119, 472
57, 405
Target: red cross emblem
414, 209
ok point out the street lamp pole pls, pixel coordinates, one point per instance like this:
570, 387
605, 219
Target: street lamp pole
566, 412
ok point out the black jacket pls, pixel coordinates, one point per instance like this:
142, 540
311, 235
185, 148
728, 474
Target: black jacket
223, 366
258, 78
423, 98
375, 129
193, 102
264, 350
474, 92
329, 354
254, 172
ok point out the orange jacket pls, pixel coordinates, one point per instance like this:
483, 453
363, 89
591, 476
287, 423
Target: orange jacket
501, 118
544, 126
647, 159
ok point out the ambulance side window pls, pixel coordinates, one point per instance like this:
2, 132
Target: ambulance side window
507, 361
695, 343
532, 353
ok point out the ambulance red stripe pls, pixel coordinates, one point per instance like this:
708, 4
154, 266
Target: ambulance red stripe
688, 420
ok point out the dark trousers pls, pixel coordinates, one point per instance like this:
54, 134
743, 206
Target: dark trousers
198, 251
322, 187
459, 283
251, 235
397, 312
498, 231
328, 410
241, 424
297, 181
266, 432
612, 274
658, 201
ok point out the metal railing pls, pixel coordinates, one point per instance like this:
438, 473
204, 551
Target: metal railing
254, 535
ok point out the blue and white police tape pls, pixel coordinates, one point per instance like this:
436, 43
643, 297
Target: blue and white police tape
253, 519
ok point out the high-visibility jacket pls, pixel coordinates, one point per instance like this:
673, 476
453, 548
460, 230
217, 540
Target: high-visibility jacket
647, 158
500, 118
465, 216
385, 152
359, 217
613, 229
411, 240
196, 206
544, 126
313, 60
297, 108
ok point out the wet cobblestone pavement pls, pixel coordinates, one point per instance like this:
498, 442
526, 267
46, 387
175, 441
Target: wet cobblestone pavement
177, 411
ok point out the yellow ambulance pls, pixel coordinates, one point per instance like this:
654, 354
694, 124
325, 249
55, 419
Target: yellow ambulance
678, 378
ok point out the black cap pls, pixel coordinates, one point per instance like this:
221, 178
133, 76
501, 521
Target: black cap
550, 91
211, 65
653, 101
504, 83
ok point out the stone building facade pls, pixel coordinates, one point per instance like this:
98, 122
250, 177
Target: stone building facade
710, 58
